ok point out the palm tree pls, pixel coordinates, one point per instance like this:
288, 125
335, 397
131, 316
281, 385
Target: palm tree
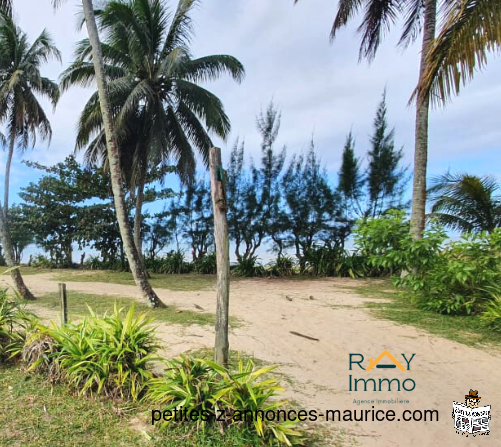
157, 104
466, 202
472, 28
21, 83
113, 152
421, 16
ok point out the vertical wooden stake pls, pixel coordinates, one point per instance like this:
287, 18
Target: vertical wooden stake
221, 239
64, 303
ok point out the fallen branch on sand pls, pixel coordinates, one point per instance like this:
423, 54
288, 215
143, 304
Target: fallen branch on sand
304, 336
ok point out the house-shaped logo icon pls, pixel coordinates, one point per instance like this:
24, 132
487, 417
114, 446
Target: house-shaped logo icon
396, 363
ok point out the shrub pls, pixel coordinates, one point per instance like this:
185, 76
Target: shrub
334, 261
38, 354
171, 263
491, 317
15, 321
108, 355
376, 239
96, 263
188, 383
206, 264
247, 391
197, 385
41, 261
249, 268
282, 266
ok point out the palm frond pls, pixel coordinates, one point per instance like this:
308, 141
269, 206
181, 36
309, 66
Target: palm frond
473, 29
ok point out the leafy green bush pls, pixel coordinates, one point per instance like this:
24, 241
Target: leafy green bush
172, 262
247, 390
108, 355
15, 321
334, 261
249, 268
282, 266
188, 383
491, 317
380, 240
206, 265
463, 276
96, 263
199, 385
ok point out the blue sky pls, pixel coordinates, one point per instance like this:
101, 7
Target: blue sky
319, 86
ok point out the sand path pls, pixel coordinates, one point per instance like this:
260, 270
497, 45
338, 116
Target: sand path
443, 371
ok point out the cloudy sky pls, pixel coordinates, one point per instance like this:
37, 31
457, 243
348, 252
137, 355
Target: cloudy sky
319, 86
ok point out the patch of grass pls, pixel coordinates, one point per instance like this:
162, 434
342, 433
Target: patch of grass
78, 302
25, 270
381, 288
34, 413
186, 282
467, 330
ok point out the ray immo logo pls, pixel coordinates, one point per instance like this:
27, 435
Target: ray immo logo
401, 365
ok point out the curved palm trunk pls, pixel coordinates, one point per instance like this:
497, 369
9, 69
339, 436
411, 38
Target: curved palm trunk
7, 173
421, 129
140, 276
10, 258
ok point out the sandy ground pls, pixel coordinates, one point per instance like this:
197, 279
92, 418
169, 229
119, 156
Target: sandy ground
443, 371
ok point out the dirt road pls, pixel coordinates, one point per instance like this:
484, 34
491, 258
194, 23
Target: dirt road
442, 371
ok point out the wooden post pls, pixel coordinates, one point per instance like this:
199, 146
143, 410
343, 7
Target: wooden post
64, 303
221, 239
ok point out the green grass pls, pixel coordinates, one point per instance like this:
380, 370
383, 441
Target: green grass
467, 330
25, 270
32, 413
78, 302
188, 282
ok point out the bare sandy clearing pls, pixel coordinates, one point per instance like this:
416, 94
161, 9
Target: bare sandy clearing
444, 371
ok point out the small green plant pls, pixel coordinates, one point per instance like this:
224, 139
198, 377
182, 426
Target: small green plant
108, 355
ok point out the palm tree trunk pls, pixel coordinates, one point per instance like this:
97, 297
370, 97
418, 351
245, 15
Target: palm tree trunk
421, 129
135, 263
10, 258
7, 173
138, 216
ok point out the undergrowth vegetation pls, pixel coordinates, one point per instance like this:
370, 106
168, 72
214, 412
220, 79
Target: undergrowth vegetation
204, 389
454, 277
112, 357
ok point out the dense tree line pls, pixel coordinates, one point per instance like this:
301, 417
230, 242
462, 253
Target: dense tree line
286, 203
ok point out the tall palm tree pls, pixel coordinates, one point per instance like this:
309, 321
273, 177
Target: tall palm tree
157, 105
378, 17
472, 28
21, 85
466, 202
113, 152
